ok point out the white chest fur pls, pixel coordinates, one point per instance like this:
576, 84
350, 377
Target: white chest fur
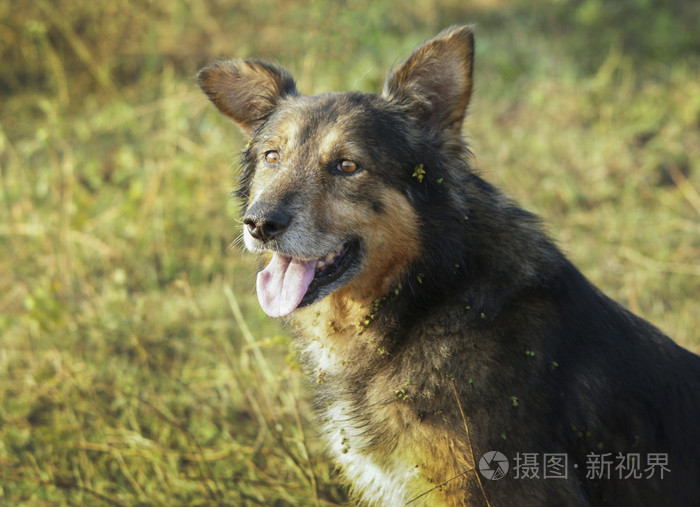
381, 475
381, 480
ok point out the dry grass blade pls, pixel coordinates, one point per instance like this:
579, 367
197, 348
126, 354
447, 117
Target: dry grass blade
211, 485
248, 335
686, 188
438, 486
307, 455
65, 484
469, 441
471, 469
81, 50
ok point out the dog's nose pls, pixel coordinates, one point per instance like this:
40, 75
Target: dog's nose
265, 225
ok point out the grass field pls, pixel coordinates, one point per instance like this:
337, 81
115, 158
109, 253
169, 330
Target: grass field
135, 365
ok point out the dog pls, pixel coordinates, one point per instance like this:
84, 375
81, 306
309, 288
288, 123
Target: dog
458, 357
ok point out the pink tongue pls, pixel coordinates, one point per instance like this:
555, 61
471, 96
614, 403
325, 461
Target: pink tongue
282, 284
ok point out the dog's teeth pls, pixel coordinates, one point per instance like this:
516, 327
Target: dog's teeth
329, 258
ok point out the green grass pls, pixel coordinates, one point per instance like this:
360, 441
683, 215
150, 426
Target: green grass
135, 365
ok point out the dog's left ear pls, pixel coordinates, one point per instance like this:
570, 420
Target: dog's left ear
246, 90
435, 83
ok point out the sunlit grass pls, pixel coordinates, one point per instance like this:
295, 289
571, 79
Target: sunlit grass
126, 377
135, 365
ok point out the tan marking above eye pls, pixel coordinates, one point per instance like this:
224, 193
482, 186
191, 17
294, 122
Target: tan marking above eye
348, 166
272, 157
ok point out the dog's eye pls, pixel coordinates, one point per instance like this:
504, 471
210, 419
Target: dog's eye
272, 157
348, 166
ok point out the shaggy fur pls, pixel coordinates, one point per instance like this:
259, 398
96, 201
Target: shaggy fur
435, 317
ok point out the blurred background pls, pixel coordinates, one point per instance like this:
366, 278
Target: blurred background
135, 365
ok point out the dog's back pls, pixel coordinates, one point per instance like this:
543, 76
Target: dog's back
459, 358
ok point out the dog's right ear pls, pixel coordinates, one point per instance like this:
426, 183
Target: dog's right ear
246, 90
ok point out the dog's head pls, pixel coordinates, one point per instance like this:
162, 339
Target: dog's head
328, 182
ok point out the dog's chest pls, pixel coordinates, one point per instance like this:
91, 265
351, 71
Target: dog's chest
363, 423
380, 477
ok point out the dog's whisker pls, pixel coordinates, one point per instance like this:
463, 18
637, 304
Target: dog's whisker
236, 244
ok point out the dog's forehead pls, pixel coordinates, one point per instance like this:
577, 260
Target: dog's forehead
325, 119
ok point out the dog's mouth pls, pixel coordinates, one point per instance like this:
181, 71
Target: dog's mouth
288, 283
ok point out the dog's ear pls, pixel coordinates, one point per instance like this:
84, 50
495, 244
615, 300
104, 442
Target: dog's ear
435, 83
246, 90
